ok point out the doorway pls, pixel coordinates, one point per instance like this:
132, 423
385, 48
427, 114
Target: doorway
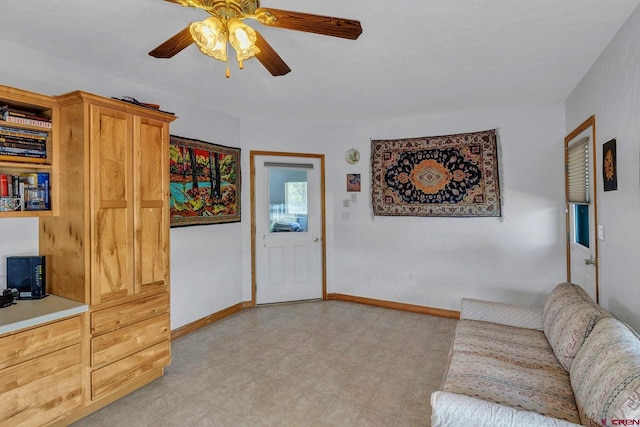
287, 227
581, 207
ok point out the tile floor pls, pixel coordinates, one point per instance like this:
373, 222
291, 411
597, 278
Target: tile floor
323, 363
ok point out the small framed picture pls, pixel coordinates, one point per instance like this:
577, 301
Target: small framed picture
609, 166
353, 182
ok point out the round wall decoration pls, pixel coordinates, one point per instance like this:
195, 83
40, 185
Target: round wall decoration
352, 156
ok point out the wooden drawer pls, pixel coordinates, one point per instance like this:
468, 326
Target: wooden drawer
126, 314
41, 390
117, 375
115, 345
35, 342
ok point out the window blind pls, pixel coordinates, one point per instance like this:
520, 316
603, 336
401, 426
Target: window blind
578, 171
288, 165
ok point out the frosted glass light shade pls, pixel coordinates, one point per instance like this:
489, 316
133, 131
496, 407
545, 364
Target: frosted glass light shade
211, 37
243, 39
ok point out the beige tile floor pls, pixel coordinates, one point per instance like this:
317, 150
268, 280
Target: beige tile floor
323, 363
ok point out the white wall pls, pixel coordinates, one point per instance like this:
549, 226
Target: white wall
424, 261
205, 267
611, 91
436, 261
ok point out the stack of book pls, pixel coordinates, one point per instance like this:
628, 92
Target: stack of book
13, 115
32, 189
23, 145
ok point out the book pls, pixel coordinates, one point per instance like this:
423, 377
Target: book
10, 185
12, 157
25, 133
6, 110
5, 140
15, 180
30, 122
23, 144
22, 138
18, 152
4, 185
20, 148
14, 115
43, 183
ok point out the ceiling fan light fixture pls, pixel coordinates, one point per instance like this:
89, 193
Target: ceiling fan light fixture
211, 37
226, 26
243, 39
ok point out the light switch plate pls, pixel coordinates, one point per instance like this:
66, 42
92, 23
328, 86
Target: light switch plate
600, 232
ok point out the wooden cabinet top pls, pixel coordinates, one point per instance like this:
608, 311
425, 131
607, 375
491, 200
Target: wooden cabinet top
29, 313
80, 96
19, 97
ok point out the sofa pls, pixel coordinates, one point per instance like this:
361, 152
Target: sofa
568, 363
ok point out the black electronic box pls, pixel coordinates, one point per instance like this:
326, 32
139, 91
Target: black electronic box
27, 274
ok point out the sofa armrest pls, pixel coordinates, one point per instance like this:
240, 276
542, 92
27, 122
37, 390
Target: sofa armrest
502, 313
455, 410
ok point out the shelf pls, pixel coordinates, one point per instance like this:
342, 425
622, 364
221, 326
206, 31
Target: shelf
42, 106
25, 214
25, 165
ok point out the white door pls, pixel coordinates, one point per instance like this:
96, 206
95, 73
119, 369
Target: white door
288, 233
582, 241
582, 244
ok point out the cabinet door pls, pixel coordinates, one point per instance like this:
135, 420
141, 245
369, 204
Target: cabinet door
151, 166
112, 206
41, 390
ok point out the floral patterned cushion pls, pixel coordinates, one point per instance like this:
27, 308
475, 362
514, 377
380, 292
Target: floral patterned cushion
605, 375
510, 366
569, 316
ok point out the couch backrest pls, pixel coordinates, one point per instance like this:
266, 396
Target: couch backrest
568, 317
605, 375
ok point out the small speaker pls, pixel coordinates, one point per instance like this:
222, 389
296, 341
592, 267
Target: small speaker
27, 274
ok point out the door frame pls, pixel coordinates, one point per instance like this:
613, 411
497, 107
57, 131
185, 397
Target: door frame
590, 122
323, 223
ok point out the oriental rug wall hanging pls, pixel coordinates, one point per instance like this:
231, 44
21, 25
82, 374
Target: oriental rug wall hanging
449, 176
205, 182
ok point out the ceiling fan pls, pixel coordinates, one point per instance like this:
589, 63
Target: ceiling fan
225, 25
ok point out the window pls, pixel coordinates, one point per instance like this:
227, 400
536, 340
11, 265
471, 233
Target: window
288, 197
578, 172
296, 197
581, 232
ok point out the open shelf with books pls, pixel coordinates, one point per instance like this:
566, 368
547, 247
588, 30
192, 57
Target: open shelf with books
27, 150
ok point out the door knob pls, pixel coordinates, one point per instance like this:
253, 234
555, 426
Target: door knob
316, 239
590, 261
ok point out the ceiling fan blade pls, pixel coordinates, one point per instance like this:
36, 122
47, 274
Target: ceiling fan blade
269, 58
318, 24
186, 3
174, 45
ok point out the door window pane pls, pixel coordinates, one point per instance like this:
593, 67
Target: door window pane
287, 200
581, 215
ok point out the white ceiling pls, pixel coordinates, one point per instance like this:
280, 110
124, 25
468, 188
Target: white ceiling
413, 57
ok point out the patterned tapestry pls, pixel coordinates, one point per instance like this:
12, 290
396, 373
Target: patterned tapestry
205, 182
449, 176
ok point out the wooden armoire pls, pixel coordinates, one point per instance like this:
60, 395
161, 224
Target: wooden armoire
108, 247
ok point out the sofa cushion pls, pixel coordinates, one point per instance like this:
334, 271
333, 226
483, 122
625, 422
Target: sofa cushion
528, 348
510, 366
569, 316
605, 375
